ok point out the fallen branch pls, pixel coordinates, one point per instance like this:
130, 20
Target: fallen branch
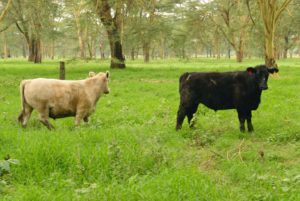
239, 148
214, 152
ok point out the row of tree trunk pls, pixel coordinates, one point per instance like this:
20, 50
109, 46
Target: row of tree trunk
35, 51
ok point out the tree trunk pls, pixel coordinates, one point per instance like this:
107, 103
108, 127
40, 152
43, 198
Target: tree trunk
95, 51
52, 49
30, 51
81, 45
218, 52
90, 48
35, 51
286, 47
80, 35
153, 55
229, 52
5, 48
117, 58
132, 54
146, 51
101, 48
269, 51
217, 44
24, 53
162, 47
239, 55
113, 29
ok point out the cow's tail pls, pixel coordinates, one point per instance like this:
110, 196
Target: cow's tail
182, 80
23, 101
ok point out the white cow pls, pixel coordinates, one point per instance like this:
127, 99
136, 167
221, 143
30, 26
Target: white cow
62, 98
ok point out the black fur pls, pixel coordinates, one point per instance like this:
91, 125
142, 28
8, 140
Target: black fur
240, 90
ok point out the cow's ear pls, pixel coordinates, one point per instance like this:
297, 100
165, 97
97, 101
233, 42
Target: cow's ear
273, 70
251, 70
107, 74
92, 74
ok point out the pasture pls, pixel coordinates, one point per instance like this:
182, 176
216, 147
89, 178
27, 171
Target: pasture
130, 150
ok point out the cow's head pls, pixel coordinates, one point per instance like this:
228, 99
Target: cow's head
105, 83
261, 75
102, 80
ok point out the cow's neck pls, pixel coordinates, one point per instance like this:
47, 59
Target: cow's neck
95, 89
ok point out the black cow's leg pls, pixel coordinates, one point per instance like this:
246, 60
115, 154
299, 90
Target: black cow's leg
190, 114
180, 116
249, 123
242, 120
187, 107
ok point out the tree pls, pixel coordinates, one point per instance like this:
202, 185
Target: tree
288, 30
149, 11
145, 28
28, 24
5, 10
270, 11
77, 13
85, 23
112, 24
31, 20
234, 23
148, 28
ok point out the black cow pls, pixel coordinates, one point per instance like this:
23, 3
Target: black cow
240, 90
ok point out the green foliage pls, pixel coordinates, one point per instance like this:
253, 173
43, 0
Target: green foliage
130, 150
5, 170
5, 166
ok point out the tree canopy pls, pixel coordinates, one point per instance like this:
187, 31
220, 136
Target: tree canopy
149, 29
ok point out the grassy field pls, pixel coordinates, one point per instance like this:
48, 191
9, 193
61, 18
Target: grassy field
130, 150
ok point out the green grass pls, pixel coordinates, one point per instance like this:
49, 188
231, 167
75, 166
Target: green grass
130, 149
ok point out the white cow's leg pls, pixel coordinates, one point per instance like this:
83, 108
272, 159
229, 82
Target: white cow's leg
86, 119
78, 119
26, 115
44, 116
80, 114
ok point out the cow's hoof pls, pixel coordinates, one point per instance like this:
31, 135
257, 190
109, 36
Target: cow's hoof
50, 127
192, 127
178, 128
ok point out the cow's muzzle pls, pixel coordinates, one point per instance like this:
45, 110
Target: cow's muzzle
263, 87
